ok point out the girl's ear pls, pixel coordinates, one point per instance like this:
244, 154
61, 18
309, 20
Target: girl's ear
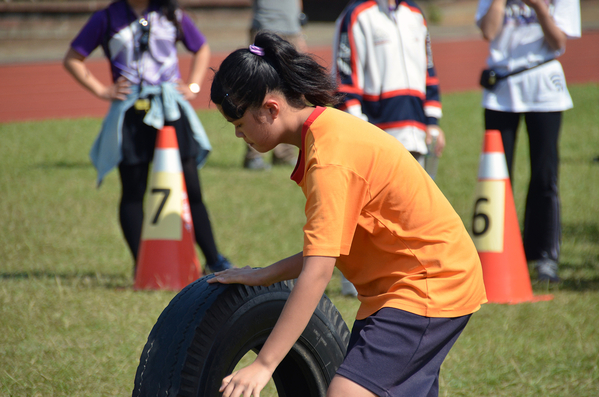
272, 106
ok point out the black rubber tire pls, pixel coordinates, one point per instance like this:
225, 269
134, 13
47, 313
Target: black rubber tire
207, 328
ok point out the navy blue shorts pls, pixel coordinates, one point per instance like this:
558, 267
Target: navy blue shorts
396, 353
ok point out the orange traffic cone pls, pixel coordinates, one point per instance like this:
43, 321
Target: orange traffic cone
495, 229
167, 258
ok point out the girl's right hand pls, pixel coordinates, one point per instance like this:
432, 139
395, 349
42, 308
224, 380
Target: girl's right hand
118, 91
245, 275
248, 381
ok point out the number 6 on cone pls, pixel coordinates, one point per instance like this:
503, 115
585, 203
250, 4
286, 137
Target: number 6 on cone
495, 229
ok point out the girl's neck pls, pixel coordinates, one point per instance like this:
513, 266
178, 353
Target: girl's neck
138, 6
297, 120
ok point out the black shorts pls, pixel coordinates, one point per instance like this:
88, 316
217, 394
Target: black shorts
139, 139
396, 353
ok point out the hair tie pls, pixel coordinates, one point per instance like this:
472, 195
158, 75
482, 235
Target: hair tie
254, 49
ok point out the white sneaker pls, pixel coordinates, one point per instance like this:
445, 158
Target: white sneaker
546, 270
347, 288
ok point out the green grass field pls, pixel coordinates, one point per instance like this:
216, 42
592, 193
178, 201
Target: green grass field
70, 325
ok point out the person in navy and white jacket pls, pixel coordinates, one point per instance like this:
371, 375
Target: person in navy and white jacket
384, 65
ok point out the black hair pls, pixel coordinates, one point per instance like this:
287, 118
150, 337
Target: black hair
245, 78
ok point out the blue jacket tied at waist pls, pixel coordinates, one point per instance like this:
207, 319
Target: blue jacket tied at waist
106, 152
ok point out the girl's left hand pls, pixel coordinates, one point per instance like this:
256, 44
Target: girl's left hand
248, 381
183, 88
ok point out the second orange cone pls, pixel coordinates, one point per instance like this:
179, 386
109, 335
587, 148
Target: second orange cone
495, 229
167, 258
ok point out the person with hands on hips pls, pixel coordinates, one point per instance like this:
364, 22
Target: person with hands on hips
526, 37
147, 92
371, 211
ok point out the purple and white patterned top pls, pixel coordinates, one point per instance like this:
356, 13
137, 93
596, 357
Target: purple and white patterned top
118, 31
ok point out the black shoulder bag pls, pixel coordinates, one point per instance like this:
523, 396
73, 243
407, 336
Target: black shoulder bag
489, 77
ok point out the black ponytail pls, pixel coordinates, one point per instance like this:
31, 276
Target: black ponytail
245, 78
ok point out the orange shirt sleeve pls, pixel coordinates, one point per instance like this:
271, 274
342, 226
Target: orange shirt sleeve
335, 197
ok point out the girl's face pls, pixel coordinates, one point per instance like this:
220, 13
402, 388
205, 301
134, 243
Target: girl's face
256, 128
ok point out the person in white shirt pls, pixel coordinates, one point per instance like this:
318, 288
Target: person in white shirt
526, 37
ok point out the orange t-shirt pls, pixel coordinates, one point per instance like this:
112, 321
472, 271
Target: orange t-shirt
394, 234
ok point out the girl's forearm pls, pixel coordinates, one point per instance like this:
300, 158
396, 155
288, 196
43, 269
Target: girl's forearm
298, 310
74, 64
492, 23
285, 269
199, 65
553, 35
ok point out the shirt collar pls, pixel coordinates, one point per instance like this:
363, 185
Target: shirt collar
298, 172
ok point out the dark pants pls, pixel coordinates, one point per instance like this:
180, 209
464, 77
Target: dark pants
134, 180
542, 225
138, 151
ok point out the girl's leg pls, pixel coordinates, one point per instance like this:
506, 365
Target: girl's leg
542, 228
134, 179
343, 387
507, 124
199, 213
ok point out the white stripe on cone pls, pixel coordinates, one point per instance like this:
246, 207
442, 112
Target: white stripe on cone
167, 160
492, 166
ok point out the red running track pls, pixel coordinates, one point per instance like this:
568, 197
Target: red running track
38, 91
